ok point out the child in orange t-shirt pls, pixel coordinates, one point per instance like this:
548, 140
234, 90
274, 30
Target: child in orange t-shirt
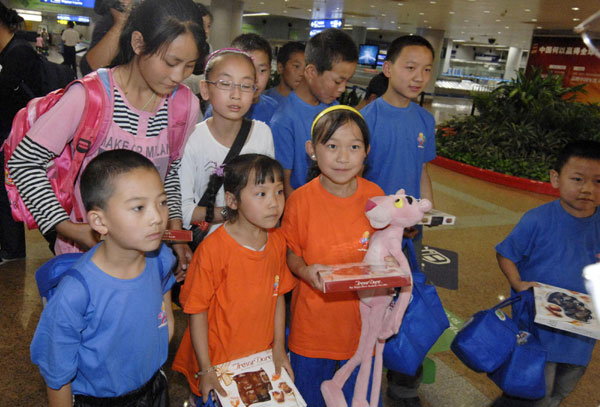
324, 223
236, 280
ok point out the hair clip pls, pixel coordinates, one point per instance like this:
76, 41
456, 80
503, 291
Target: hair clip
221, 51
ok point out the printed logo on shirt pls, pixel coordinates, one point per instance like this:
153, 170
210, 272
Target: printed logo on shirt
162, 316
364, 241
421, 140
276, 287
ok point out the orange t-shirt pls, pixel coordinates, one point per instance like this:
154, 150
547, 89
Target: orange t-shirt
325, 229
239, 289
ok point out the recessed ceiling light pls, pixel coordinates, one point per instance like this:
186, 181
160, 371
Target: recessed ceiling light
310, 9
575, 8
497, 20
285, 11
539, 27
466, 21
337, 8
400, 4
372, 6
499, 32
462, 32
451, 12
255, 14
372, 28
527, 10
383, 15
486, 11
430, 27
421, 14
262, 2
534, 19
432, 2
392, 22
506, 27
575, 19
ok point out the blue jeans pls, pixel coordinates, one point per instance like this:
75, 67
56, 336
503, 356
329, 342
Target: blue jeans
311, 372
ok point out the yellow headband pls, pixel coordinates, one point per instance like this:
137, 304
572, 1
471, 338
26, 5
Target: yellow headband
331, 109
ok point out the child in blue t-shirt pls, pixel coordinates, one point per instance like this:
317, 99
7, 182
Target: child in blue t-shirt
106, 335
552, 244
402, 142
259, 50
290, 66
331, 58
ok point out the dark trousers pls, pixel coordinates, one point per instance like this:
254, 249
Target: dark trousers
155, 393
69, 58
12, 234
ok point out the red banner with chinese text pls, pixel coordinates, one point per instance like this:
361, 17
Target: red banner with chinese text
569, 57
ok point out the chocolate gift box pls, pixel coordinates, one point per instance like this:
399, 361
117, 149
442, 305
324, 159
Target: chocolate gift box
566, 310
362, 276
251, 381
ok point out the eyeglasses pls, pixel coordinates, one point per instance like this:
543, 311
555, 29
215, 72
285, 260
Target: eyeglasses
590, 32
229, 85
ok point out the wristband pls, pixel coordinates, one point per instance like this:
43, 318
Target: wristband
203, 372
204, 225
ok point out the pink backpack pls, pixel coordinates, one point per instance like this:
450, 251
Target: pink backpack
95, 121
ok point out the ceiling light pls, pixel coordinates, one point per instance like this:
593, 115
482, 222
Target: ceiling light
255, 14
400, 4
262, 2
575, 19
430, 27
575, 8
372, 28
499, 32
425, 21
527, 10
534, 19
466, 21
539, 27
506, 27
421, 14
372, 6
383, 15
486, 11
451, 12
497, 20
30, 15
310, 9
392, 22
432, 2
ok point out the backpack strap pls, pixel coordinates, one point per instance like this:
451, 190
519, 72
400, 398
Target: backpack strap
92, 123
180, 110
77, 275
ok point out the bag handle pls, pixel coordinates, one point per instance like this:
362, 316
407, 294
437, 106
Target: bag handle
509, 301
524, 314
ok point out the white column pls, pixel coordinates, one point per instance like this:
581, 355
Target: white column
449, 48
227, 22
436, 38
512, 63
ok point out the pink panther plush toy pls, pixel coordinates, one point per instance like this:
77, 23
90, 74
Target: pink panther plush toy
391, 214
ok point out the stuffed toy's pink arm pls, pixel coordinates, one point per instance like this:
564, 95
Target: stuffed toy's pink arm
393, 319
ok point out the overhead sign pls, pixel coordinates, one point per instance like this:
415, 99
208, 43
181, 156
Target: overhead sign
316, 26
78, 3
76, 19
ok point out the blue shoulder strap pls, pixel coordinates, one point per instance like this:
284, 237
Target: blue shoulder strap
76, 274
48, 276
103, 75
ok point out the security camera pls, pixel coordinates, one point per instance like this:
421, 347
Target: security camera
492, 41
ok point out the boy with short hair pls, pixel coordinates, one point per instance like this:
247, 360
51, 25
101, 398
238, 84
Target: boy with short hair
331, 58
402, 142
104, 336
552, 244
290, 66
259, 50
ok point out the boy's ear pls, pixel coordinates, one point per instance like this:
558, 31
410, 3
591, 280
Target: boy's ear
231, 201
137, 42
97, 221
554, 176
310, 150
387, 69
310, 72
204, 90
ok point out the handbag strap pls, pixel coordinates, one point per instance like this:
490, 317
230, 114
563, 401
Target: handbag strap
509, 301
233, 152
524, 313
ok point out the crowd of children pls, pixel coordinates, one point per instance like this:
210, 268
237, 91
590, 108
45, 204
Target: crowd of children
104, 338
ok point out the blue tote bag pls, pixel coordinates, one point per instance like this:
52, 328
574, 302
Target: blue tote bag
487, 340
522, 374
424, 322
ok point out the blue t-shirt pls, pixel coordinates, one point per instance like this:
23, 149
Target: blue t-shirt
402, 140
291, 125
274, 94
112, 341
262, 110
550, 246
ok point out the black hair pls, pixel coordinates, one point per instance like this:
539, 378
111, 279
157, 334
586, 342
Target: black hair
377, 85
328, 125
204, 11
160, 22
10, 18
70, 24
287, 50
589, 149
237, 175
328, 47
222, 55
399, 43
96, 183
253, 42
